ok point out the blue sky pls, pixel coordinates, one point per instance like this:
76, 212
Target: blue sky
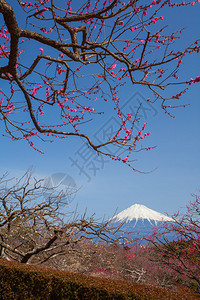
174, 166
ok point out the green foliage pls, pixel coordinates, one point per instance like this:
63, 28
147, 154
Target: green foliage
20, 281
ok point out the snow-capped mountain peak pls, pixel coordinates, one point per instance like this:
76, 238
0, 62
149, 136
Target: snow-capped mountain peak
138, 211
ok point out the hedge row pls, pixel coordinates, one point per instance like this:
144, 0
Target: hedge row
20, 281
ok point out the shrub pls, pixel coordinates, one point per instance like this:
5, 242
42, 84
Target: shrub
19, 281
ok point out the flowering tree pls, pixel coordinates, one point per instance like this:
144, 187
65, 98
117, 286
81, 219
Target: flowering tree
183, 253
115, 262
60, 59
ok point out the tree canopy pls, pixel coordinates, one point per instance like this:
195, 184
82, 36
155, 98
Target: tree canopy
60, 59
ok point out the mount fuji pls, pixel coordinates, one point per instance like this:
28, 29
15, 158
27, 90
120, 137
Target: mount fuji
140, 220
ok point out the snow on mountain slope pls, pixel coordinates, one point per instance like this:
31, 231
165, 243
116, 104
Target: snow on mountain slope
138, 211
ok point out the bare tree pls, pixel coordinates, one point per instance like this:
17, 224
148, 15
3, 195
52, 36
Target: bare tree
34, 229
61, 56
132, 263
